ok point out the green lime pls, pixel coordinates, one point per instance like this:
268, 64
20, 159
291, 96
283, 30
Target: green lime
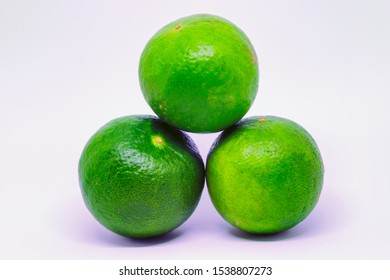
264, 174
199, 73
141, 177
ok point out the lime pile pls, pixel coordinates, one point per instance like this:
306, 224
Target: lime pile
142, 176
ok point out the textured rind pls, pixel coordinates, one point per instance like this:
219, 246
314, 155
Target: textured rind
264, 174
199, 73
136, 186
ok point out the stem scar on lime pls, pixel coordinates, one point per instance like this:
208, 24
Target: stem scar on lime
157, 140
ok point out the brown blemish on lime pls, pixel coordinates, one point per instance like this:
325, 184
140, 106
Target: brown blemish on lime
254, 56
161, 106
262, 120
178, 26
158, 140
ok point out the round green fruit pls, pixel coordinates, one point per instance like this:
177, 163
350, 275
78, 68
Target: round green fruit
199, 73
141, 177
264, 174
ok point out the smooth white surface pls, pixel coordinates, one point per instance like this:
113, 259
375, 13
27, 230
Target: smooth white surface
68, 67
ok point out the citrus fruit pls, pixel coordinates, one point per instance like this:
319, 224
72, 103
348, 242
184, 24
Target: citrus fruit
140, 177
199, 73
264, 174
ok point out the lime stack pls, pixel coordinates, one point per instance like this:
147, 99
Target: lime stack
142, 176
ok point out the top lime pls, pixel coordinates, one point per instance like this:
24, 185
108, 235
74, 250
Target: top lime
199, 73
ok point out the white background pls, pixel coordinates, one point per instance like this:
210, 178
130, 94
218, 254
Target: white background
68, 67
